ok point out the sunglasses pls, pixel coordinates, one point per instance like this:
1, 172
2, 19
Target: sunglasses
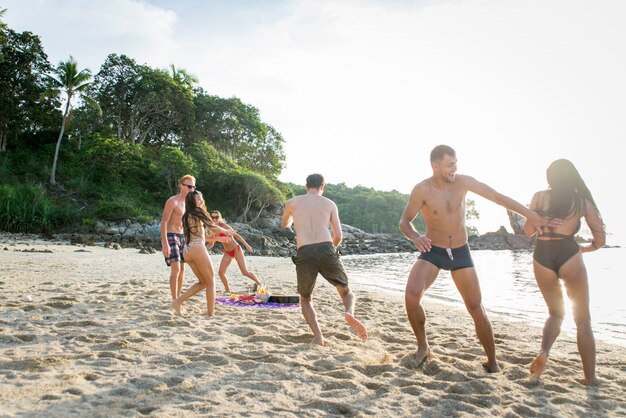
189, 186
215, 217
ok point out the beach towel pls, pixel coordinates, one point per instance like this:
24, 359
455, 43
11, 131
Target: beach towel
268, 305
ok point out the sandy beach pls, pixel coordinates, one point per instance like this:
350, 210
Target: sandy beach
88, 331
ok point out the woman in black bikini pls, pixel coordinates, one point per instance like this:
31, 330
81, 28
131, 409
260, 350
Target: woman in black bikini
231, 250
558, 256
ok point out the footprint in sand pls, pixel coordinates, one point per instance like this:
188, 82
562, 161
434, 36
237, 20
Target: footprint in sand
60, 304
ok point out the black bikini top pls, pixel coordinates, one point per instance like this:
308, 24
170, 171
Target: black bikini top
553, 234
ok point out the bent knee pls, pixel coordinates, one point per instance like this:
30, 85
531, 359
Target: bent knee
343, 290
414, 291
475, 309
557, 313
582, 319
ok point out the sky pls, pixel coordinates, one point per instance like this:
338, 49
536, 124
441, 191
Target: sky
363, 90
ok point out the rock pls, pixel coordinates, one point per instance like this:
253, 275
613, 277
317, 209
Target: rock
500, 240
85, 239
517, 222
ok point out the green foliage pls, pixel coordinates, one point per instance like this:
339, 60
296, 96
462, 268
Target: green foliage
117, 209
235, 191
72, 82
367, 209
172, 165
27, 99
235, 129
28, 208
143, 105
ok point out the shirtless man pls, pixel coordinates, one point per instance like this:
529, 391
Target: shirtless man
311, 215
172, 237
441, 200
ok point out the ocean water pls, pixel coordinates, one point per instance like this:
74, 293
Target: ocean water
508, 286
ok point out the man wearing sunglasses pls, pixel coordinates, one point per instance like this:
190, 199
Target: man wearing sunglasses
172, 237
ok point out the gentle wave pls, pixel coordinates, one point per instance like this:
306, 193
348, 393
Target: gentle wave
508, 286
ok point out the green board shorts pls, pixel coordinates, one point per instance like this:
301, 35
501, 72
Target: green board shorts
319, 258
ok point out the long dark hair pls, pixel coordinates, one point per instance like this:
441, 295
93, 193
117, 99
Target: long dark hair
199, 214
568, 191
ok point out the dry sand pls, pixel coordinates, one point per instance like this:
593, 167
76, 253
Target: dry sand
87, 331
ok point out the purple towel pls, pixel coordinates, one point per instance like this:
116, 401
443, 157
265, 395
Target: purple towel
269, 305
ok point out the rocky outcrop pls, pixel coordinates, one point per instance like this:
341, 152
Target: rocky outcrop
267, 238
500, 240
517, 222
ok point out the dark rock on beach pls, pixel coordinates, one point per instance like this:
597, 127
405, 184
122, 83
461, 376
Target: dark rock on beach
267, 238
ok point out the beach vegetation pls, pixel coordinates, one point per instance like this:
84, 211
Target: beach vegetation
29, 208
122, 158
72, 82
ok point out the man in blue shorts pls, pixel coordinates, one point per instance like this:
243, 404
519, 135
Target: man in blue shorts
441, 200
172, 237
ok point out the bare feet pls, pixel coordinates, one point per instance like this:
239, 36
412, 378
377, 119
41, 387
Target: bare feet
592, 382
536, 367
491, 368
423, 354
178, 308
358, 327
319, 341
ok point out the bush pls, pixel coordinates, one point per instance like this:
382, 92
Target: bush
117, 209
28, 208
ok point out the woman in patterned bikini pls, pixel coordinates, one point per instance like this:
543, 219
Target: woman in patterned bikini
195, 219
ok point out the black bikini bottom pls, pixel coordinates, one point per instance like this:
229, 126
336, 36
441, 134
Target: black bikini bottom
552, 254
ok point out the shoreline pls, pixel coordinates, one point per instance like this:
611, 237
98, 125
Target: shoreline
89, 331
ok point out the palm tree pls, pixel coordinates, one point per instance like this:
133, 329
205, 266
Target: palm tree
71, 82
182, 77
3, 25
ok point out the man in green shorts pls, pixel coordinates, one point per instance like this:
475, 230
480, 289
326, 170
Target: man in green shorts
311, 215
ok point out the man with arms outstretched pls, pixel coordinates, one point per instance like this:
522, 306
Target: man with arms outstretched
311, 215
172, 237
441, 200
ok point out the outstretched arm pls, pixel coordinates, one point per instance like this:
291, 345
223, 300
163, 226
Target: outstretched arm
532, 218
528, 228
243, 241
416, 201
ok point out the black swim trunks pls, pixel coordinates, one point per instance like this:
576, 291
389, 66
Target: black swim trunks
319, 258
552, 254
449, 258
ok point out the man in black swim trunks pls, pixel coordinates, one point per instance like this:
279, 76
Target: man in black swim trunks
314, 216
441, 200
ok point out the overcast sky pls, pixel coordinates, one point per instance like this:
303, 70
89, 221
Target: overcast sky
363, 90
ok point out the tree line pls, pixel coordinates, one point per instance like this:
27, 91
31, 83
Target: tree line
77, 147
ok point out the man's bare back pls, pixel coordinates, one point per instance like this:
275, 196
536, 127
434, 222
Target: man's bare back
312, 214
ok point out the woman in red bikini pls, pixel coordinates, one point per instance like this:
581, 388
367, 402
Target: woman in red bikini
230, 250
558, 257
